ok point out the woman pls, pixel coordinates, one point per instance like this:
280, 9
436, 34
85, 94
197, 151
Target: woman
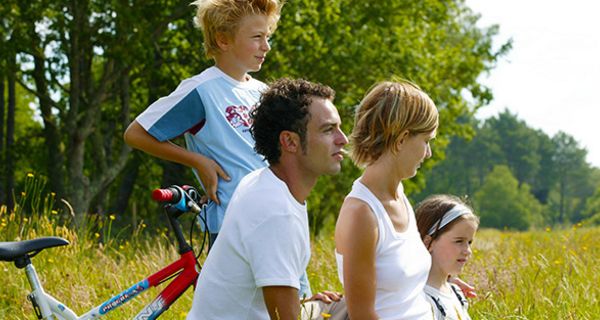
382, 261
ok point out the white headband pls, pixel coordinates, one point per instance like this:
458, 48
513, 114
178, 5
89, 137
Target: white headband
457, 211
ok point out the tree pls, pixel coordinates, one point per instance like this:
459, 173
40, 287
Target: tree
80, 59
93, 64
572, 170
592, 208
503, 203
350, 45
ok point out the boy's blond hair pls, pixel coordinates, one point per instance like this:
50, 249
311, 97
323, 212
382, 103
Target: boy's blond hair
224, 16
387, 110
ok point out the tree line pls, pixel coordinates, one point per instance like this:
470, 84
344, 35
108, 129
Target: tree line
75, 73
518, 177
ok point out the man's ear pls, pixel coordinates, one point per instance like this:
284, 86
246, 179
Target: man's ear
289, 141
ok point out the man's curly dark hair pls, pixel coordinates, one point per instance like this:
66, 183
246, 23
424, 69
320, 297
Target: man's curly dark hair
284, 106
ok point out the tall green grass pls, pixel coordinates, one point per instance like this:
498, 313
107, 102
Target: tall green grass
547, 274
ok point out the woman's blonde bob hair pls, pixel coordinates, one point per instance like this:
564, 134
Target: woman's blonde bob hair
224, 16
389, 109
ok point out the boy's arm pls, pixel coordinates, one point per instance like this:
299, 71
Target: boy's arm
282, 302
137, 137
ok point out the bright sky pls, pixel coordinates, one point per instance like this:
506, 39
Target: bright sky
551, 77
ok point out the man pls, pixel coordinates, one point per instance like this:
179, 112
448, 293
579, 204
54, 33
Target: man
253, 269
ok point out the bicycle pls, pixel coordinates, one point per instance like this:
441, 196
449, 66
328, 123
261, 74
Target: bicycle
182, 273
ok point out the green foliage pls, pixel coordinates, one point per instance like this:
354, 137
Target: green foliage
502, 203
92, 65
554, 169
573, 175
592, 208
350, 45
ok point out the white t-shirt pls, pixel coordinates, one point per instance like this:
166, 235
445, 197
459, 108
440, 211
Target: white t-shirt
454, 303
264, 241
401, 264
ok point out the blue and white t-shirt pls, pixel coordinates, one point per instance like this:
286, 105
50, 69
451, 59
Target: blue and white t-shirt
212, 110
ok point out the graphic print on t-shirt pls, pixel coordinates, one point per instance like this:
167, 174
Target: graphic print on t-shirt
238, 116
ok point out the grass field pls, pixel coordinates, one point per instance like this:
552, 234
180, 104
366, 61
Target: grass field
547, 274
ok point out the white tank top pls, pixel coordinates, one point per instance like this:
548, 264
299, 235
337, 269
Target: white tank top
402, 263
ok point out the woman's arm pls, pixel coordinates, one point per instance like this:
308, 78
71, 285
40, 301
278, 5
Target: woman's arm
356, 239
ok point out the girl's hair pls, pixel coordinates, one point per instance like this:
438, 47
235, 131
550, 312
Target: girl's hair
430, 212
387, 110
224, 16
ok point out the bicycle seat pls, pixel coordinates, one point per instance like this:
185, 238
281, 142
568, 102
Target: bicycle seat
11, 251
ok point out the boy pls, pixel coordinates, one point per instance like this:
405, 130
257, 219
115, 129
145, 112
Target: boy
211, 109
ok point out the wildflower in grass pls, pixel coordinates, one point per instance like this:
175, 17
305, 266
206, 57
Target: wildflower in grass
97, 235
23, 193
25, 219
557, 261
121, 247
548, 229
53, 194
112, 217
50, 260
143, 225
30, 175
54, 212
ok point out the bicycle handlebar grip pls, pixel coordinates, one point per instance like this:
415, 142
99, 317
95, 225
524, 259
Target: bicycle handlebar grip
171, 195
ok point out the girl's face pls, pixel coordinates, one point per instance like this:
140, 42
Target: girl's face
451, 250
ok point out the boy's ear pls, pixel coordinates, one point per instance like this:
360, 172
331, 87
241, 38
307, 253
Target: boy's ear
289, 141
223, 41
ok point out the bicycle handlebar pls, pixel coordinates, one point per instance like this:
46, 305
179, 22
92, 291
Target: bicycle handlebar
170, 195
184, 198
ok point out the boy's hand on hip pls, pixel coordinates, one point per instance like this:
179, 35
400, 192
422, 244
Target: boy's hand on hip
209, 172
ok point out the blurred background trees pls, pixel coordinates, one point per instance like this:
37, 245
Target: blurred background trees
73, 74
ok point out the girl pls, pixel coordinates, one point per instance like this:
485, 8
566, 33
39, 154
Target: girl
447, 227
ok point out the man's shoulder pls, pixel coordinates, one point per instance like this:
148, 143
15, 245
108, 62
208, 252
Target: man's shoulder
261, 189
262, 183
